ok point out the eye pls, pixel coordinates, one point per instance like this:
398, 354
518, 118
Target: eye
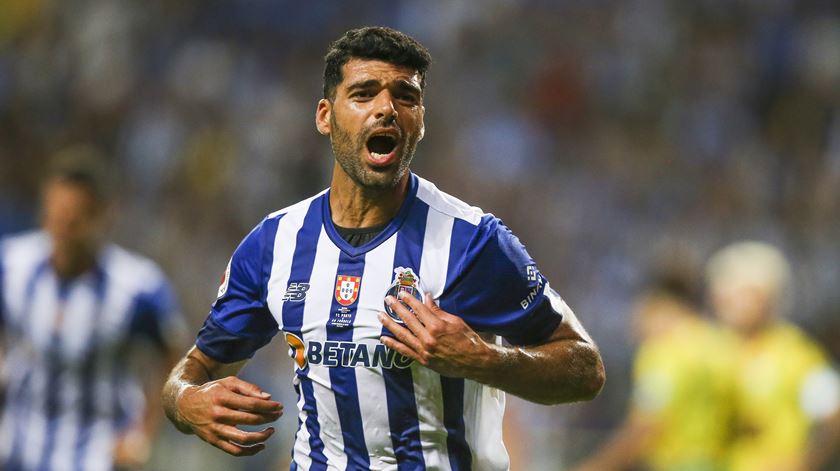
362, 95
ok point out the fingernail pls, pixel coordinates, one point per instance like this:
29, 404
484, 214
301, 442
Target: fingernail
389, 300
381, 316
401, 294
265, 395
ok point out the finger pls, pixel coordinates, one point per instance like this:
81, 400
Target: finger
421, 311
250, 404
429, 301
237, 450
245, 388
238, 417
241, 437
404, 335
395, 344
410, 319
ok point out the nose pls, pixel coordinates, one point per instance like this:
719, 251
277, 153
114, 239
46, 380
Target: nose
384, 106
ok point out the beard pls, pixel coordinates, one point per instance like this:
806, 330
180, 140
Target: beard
349, 153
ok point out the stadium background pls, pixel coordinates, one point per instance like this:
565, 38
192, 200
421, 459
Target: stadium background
600, 131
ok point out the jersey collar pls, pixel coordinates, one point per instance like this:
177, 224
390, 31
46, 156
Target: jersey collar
386, 233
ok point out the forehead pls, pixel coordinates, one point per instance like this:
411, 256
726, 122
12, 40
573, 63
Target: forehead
360, 70
68, 193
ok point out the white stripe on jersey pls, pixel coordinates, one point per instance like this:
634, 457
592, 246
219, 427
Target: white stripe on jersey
427, 387
484, 408
101, 438
301, 449
379, 269
316, 314
284, 251
43, 307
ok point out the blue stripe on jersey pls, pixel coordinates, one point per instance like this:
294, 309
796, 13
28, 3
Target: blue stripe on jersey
86, 410
54, 368
25, 403
399, 383
343, 379
301, 271
460, 456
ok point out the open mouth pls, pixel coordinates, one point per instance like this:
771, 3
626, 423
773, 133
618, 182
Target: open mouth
381, 147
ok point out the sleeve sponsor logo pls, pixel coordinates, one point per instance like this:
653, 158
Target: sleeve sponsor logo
533, 276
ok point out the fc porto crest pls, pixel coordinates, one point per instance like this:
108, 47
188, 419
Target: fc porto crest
347, 289
405, 281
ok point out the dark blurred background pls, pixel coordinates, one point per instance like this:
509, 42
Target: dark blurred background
600, 131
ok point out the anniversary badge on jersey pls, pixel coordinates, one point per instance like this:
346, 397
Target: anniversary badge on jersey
405, 281
347, 289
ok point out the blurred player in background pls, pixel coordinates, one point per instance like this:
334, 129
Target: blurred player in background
410, 389
74, 310
788, 393
680, 415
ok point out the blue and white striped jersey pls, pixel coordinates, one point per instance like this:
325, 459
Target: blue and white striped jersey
362, 406
68, 389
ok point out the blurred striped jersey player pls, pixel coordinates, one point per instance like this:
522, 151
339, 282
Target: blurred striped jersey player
361, 405
71, 305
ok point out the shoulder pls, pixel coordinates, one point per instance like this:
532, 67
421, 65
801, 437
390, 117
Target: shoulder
449, 205
27, 249
131, 270
24, 244
297, 208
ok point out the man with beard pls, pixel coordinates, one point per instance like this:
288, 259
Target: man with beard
392, 295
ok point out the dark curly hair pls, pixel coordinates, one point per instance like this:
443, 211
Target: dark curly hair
373, 42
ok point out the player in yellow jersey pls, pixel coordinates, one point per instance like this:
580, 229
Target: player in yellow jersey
680, 414
788, 393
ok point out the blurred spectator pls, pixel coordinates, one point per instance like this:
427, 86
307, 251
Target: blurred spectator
787, 392
683, 374
75, 311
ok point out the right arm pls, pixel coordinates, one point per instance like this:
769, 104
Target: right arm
203, 396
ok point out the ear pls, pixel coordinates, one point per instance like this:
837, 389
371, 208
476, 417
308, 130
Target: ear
322, 116
422, 123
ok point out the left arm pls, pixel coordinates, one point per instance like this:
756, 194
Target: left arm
133, 447
567, 367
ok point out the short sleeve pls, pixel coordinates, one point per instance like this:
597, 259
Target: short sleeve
497, 287
240, 322
157, 316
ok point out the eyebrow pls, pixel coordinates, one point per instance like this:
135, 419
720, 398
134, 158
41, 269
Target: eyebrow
371, 83
363, 84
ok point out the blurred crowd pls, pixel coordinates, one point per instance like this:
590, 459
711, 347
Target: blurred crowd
600, 131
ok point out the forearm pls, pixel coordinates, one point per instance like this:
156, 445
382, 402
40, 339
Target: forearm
566, 370
190, 371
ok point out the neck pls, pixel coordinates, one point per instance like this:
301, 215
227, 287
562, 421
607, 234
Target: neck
354, 206
69, 266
